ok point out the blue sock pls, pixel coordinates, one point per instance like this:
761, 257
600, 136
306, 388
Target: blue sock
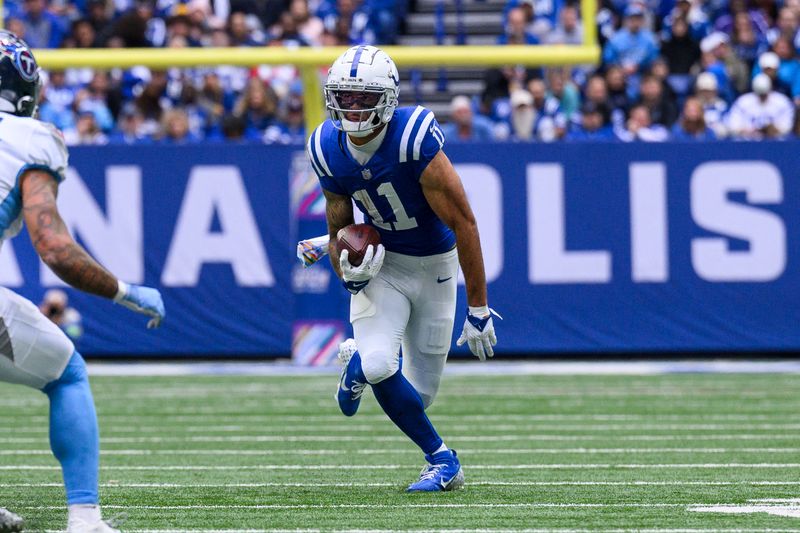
73, 431
401, 401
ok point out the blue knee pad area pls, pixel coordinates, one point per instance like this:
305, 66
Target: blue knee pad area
74, 437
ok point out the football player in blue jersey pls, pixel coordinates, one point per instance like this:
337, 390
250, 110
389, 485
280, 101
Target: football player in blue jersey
390, 161
33, 350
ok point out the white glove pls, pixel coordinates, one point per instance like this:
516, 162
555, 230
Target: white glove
356, 277
478, 332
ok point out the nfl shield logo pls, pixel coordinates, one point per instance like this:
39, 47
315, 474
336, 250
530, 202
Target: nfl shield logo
366, 174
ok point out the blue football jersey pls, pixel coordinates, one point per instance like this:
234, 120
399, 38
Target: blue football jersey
387, 188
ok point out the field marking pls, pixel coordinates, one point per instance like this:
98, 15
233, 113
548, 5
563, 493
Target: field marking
777, 507
385, 484
348, 429
390, 438
546, 466
749, 530
290, 506
383, 451
336, 417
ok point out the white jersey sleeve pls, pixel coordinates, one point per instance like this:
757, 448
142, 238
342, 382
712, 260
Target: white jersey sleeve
25, 143
47, 150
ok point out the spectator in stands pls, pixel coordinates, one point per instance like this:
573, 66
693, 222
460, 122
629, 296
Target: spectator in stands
43, 29
523, 116
240, 30
593, 125
787, 26
82, 35
692, 125
540, 15
131, 28
692, 14
85, 131
55, 306
464, 125
55, 105
290, 129
257, 106
130, 128
640, 127
309, 27
175, 128
546, 108
662, 110
618, 98
725, 23
718, 58
782, 67
563, 90
569, 29
152, 101
746, 43
761, 114
632, 47
680, 50
714, 107
99, 16
516, 31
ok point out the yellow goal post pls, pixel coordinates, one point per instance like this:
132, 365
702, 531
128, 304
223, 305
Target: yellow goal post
309, 60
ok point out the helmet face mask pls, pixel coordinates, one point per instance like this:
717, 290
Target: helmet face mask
361, 90
20, 82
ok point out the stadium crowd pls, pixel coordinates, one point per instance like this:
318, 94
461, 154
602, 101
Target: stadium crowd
680, 69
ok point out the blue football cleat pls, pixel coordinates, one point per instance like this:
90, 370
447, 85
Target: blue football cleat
443, 472
352, 382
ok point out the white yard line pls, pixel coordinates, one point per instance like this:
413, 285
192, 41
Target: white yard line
550, 466
472, 483
749, 530
464, 368
391, 438
383, 451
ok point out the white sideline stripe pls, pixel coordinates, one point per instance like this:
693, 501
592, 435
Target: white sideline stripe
354, 428
546, 466
453, 530
473, 483
383, 451
541, 505
451, 438
278, 418
544, 368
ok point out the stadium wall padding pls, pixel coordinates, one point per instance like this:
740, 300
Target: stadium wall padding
588, 247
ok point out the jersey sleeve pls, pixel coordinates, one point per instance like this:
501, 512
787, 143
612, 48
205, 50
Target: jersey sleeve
316, 155
424, 141
47, 151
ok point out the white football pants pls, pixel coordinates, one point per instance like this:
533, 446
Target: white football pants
33, 350
410, 303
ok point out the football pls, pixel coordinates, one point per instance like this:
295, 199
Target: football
356, 238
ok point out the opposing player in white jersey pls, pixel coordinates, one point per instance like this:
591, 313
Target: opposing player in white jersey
33, 350
390, 161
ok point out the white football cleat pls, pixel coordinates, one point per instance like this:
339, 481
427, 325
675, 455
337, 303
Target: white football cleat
76, 525
9, 522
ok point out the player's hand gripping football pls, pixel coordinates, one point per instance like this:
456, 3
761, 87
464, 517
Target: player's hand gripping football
143, 300
357, 277
478, 332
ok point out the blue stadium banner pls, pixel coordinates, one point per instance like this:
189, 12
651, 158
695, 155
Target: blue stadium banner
588, 247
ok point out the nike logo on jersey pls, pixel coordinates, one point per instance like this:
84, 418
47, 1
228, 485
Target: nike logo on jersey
440, 280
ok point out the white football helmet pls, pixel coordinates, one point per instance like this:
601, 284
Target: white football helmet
361, 90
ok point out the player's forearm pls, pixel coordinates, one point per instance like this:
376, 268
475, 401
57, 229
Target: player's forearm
70, 262
338, 213
333, 255
468, 243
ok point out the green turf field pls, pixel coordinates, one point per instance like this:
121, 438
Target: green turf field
539, 452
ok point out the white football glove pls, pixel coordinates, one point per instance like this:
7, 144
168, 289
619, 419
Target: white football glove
478, 332
357, 277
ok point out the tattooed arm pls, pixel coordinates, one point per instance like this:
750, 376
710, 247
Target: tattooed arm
339, 212
49, 235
